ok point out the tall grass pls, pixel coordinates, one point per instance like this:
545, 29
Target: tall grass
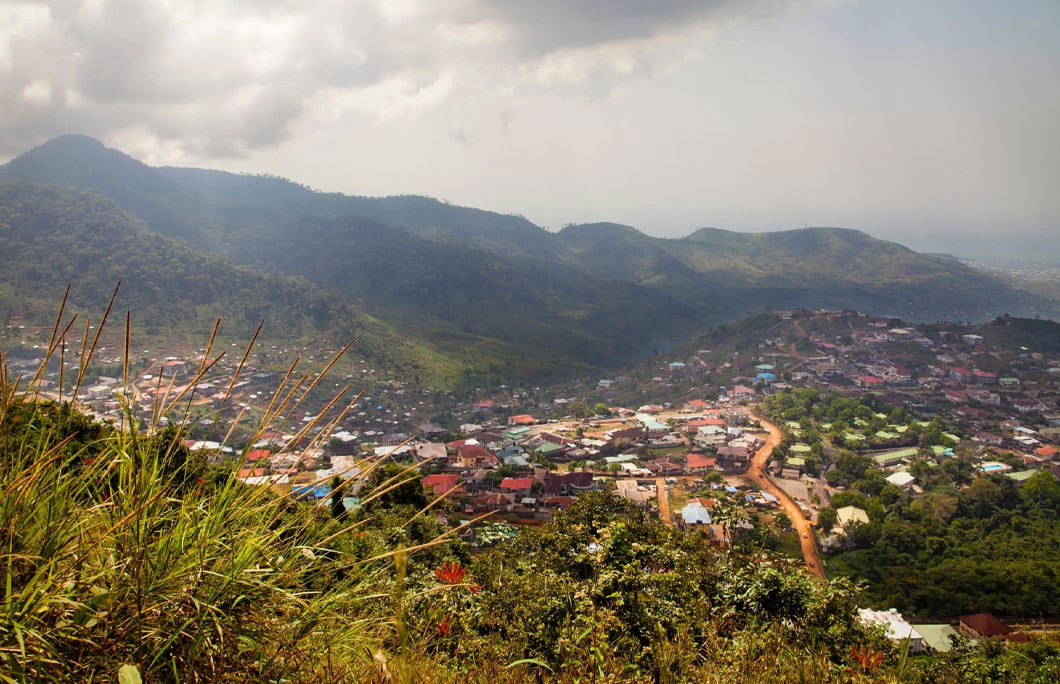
116, 550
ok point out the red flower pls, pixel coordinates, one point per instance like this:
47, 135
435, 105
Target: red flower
474, 588
867, 658
450, 573
445, 627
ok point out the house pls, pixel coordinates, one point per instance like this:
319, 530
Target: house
256, 455
989, 438
568, 484
698, 405
549, 450
984, 378
1047, 452
937, 637
520, 486
494, 501
654, 427
522, 419
430, 430
516, 434
986, 626
475, 456
484, 405
710, 436
740, 391
893, 458
869, 382
1024, 405
664, 466
898, 630
427, 451
694, 515
734, 458
955, 396
902, 480
961, 375
640, 494
847, 515
697, 464
444, 484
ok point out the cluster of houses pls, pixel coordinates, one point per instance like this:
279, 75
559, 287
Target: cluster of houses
526, 467
939, 637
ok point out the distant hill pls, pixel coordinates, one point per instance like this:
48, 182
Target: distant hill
591, 295
51, 236
429, 277
811, 267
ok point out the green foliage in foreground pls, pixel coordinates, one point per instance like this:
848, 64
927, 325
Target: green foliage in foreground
989, 547
124, 557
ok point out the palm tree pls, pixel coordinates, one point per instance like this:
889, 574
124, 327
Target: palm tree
729, 514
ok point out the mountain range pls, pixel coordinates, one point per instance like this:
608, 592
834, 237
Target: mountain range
458, 293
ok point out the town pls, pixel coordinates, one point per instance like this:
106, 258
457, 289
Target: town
727, 440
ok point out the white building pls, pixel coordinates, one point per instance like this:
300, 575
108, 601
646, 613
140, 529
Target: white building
898, 630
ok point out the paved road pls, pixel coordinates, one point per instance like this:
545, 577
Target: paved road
756, 474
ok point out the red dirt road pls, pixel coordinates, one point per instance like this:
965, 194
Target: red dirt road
757, 475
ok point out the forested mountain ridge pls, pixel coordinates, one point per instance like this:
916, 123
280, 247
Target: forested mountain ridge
51, 236
809, 267
592, 295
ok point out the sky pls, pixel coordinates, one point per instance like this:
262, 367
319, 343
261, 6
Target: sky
934, 124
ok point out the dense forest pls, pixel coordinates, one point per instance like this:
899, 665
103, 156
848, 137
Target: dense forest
968, 543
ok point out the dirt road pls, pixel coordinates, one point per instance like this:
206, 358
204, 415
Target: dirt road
756, 474
664, 501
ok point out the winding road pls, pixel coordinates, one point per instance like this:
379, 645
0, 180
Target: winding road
756, 474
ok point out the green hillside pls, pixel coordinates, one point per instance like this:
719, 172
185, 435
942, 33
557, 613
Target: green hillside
433, 276
52, 236
502, 297
811, 267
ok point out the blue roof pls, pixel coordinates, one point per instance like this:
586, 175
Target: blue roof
315, 491
693, 515
730, 489
769, 497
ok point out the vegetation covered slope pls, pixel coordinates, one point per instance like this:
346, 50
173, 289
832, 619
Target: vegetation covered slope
812, 267
967, 543
52, 236
435, 275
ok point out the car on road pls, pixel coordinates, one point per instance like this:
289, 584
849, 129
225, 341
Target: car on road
805, 535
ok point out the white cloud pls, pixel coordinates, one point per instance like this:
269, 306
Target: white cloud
225, 78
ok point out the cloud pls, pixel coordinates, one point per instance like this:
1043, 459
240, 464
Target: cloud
221, 79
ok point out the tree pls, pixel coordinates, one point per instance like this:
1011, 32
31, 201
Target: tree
782, 520
826, 519
338, 509
1041, 491
578, 409
601, 409
395, 489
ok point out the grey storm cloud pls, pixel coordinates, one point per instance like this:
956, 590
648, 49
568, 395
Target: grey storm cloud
221, 79
546, 25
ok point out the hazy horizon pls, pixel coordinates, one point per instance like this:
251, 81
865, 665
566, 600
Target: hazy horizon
932, 126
